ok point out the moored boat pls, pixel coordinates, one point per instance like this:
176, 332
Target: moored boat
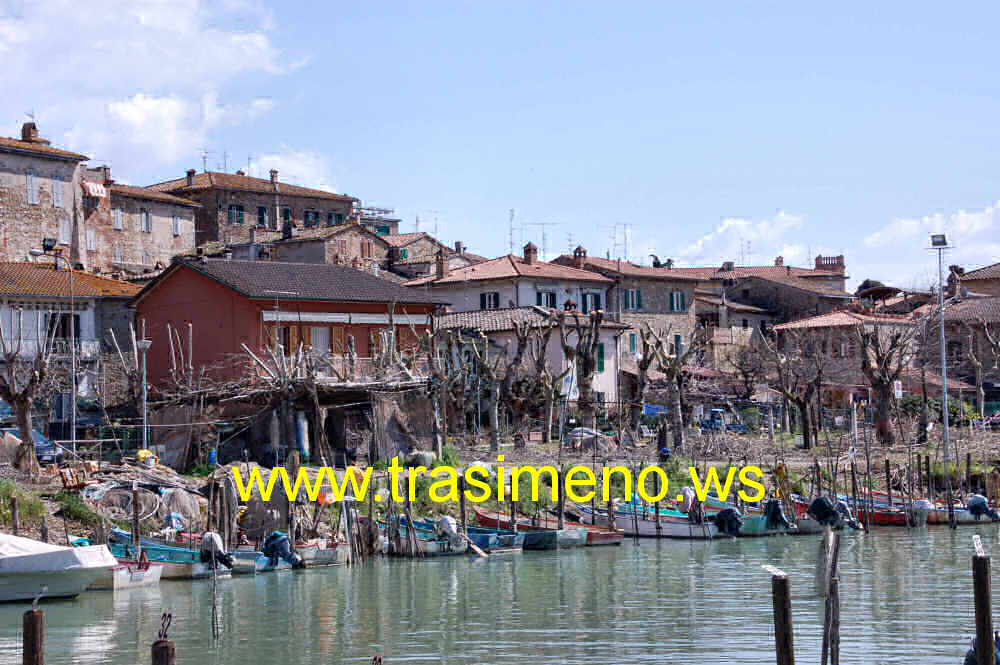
128, 574
569, 536
27, 565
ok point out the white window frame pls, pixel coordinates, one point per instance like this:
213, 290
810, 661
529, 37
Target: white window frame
57, 191
492, 300
177, 225
65, 231
91, 240
118, 255
146, 220
677, 299
549, 298
31, 183
588, 301
116, 219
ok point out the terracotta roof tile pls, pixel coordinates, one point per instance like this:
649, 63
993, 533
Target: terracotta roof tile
42, 279
402, 239
234, 181
986, 272
627, 268
8, 144
498, 320
843, 317
146, 193
982, 308
708, 272
510, 266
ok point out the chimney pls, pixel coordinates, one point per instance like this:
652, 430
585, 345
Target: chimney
780, 261
834, 264
530, 254
441, 264
274, 175
190, 177
29, 134
460, 248
727, 266
579, 257
788, 271
107, 174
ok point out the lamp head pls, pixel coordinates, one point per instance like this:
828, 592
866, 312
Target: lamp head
938, 240
48, 244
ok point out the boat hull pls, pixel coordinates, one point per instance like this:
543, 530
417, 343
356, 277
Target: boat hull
66, 571
128, 575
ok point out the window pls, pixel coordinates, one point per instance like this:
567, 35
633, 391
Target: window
746, 323
633, 343
678, 301
403, 253
235, 214
146, 258
262, 216
116, 219
177, 225
146, 217
57, 191
678, 345
546, 299
381, 230
311, 218
489, 300
118, 254
591, 301
633, 299
600, 358
58, 324
64, 232
286, 215
334, 219
32, 184
91, 240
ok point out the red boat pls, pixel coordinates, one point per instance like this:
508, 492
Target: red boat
596, 535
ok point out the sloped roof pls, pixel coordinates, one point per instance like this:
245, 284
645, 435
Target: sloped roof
26, 279
499, 320
320, 233
986, 272
8, 144
403, 239
706, 273
975, 309
626, 268
308, 281
245, 183
733, 305
812, 286
508, 267
152, 195
843, 317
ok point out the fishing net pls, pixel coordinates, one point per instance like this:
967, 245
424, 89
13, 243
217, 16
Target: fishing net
404, 422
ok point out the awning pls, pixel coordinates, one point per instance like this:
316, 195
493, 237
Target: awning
94, 189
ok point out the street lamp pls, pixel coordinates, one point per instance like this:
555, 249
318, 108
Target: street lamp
940, 243
144, 345
49, 245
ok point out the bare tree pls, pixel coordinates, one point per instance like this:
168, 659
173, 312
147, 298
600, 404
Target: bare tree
548, 382
797, 365
750, 364
24, 370
886, 350
672, 362
582, 355
643, 364
972, 353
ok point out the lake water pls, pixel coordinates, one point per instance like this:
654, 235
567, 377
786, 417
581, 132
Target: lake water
906, 597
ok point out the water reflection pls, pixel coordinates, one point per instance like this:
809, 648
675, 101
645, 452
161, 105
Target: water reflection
906, 595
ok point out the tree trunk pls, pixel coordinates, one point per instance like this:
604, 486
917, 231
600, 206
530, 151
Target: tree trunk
677, 418
25, 460
924, 410
882, 398
550, 409
802, 407
492, 405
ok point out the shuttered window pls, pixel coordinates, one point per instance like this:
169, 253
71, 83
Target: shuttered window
91, 240
64, 232
633, 343
118, 254
633, 299
32, 185
334, 219
678, 301
489, 300
116, 219
146, 217
57, 191
546, 299
262, 216
235, 214
177, 225
600, 357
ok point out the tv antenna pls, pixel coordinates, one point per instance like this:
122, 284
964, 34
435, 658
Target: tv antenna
205, 152
545, 236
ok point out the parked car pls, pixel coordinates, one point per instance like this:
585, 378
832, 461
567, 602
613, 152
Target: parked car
46, 451
716, 422
580, 435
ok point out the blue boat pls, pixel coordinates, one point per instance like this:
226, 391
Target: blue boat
485, 538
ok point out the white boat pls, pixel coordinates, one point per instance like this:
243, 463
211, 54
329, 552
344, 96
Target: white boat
128, 575
247, 561
317, 552
192, 571
27, 565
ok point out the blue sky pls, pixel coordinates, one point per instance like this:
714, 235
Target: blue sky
767, 129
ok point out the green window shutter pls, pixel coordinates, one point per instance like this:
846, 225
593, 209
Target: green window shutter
683, 301
677, 344
403, 253
638, 299
632, 343
538, 298
482, 301
600, 357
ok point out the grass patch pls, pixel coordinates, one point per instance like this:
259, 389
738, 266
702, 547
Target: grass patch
30, 508
74, 508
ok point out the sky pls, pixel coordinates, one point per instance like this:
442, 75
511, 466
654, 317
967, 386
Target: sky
701, 132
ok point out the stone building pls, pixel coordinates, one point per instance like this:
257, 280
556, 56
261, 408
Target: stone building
985, 280
39, 197
348, 244
415, 254
132, 231
233, 203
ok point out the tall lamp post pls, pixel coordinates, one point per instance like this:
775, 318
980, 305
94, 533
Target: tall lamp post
144, 345
940, 243
49, 249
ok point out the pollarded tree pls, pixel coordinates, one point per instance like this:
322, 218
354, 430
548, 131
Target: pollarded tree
886, 349
582, 354
672, 360
798, 364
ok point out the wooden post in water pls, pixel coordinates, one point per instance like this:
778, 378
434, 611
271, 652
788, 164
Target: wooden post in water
968, 472
44, 531
461, 504
831, 618
782, 600
656, 506
888, 481
15, 517
920, 474
854, 487
931, 490
823, 562
561, 499
136, 536
34, 637
611, 514
982, 596
164, 652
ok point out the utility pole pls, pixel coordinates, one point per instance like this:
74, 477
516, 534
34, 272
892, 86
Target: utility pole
940, 243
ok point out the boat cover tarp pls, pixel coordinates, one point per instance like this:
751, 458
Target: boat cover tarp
24, 555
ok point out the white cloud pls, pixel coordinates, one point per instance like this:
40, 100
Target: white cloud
898, 255
143, 83
761, 240
296, 167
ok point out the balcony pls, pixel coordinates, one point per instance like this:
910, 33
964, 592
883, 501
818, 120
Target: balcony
86, 349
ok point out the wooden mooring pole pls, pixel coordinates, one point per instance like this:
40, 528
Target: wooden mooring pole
782, 599
888, 481
982, 595
164, 652
34, 637
15, 516
831, 618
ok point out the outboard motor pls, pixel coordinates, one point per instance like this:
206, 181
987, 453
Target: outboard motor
278, 546
447, 528
774, 513
213, 552
728, 522
846, 515
823, 511
979, 506
665, 454
971, 657
920, 511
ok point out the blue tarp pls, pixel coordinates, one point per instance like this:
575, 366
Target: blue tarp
654, 409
